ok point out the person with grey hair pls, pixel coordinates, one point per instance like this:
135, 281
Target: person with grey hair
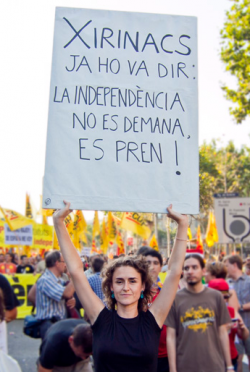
52, 292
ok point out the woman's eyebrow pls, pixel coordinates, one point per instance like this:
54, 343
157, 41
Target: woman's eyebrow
123, 278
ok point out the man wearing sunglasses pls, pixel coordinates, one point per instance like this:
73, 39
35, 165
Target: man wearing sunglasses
51, 292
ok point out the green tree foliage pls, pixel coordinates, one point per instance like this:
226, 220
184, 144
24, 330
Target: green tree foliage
235, 53
223, 170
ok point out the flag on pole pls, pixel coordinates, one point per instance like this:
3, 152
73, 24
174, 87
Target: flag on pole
211, 234
96, 226
69, 225
55, 241
28, 208
94, 249
80, 223
79, 227
112, 228
135, 222
189, 233
120, 244
15, 220
104, 237
199, 242
215, 231
153, 243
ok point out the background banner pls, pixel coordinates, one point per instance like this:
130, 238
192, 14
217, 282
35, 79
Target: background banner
37, 236
123, 112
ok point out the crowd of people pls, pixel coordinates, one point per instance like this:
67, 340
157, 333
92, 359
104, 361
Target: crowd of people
197, 320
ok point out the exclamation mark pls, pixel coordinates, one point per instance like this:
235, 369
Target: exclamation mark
176, 157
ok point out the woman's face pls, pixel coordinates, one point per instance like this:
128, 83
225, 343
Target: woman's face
127, 285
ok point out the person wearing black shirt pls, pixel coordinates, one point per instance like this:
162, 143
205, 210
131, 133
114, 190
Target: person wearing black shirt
24, 267
126, 339
10, 300
67, 343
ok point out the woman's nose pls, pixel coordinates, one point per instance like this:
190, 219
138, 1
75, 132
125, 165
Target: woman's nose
126, 286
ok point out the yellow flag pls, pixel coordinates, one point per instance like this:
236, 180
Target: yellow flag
153, 243
55, 241
83, 238
112, 228
28, 208
79, 226
80, 223
199, 242
96, 226
211, 234
120, 244
69, 224
215, 231
118, 221
104, 237
189, 233
26, 250
48, 212
135, 223
15, 220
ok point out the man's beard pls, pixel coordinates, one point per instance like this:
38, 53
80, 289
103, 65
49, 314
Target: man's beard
194, 282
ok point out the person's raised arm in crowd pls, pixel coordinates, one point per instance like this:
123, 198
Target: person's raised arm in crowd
89, 300
161, 306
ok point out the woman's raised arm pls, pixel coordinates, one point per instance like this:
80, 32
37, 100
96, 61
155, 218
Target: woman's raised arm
89, 300
161, 306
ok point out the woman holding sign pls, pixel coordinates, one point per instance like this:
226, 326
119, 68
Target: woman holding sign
125, 339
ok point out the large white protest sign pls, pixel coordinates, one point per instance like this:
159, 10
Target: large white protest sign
232, 219
123, 112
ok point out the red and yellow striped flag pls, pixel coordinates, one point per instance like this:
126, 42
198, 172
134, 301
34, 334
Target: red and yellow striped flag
120, 244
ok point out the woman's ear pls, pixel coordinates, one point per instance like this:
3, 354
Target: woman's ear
143, 287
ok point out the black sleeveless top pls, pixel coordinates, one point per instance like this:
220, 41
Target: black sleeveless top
125, 345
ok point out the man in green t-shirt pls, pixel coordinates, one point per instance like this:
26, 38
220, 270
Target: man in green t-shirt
197, 338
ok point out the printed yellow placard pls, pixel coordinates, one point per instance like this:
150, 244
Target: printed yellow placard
42, 236
21, 284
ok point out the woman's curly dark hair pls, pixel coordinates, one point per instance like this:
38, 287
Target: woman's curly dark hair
140, 265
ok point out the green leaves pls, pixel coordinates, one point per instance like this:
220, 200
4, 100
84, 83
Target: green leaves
235, 53
223, 170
